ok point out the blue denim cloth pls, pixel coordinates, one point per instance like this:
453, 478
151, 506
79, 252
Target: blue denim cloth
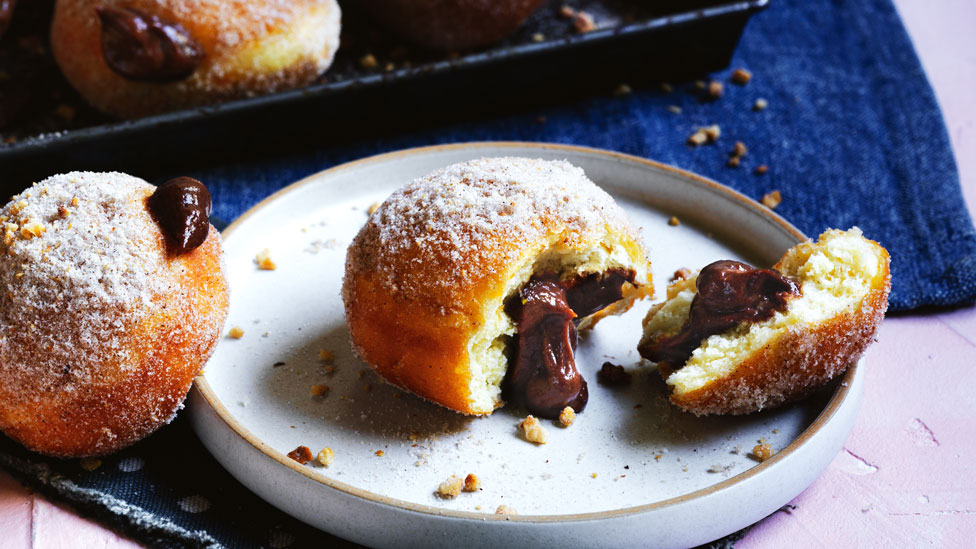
852, 136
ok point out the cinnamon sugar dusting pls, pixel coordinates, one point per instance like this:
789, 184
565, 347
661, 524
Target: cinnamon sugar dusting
465, 221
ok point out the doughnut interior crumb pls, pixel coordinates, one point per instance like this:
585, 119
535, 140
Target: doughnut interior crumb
472, 483
533, 431
325, 457
834, 275
450, 488
263, 259
567, 416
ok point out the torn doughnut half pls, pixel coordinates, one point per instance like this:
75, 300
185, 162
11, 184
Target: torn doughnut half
478, 276
735, 340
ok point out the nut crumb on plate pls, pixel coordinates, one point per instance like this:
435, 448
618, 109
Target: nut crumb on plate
674, 221
505, 510
533, 431
567, 416
301, 454
450, 488
326, 456
320, 390
263, 259
472, 483
763, 451
236, 332
326, 355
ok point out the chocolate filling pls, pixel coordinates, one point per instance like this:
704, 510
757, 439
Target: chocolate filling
729, 292
181, 207
141, 46
543, 375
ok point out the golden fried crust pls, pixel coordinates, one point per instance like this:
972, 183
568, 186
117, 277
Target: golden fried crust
126, 402
453, 24
795, 364
250, 48
417, 289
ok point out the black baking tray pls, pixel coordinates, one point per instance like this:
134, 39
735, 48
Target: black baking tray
637, 42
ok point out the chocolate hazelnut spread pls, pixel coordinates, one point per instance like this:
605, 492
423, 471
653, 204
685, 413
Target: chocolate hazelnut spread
729, 292
544, 375
182, 208
141, 46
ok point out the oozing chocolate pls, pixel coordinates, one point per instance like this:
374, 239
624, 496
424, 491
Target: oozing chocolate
141, 46
729, 292
182, 208
544, 375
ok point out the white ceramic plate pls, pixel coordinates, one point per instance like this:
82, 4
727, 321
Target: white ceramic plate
632, 470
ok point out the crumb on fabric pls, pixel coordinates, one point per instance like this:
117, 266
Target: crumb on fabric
772, 199
760, 104
761, 169
741, 76
715, 89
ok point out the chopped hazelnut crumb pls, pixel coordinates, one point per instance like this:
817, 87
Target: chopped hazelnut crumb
566, 12
739, 149
90, 464
715, 89
380, 453
741, 77
683, 273
734, 162
712, 132
567, 416
505, 510
612, 374
772, 199
760, 104
74, 201
763, 451
368, 61
326, 456
583, 22
236, 332
450, 488
472, 483
674, 221
697, 138
532, 430
301, 454
761, 169
320, 390
63, 211
538, 37
32, 229
621, 90
263, 259
592, 475
373, 207
326, 355
674, 109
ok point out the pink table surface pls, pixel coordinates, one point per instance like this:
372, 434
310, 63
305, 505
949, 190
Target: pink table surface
906, 476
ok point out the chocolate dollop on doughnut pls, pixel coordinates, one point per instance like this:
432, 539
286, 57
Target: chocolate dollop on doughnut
544, 376
182, 208
141, 46
729, 292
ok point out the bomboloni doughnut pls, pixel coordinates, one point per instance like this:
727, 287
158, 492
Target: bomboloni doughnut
733, 339
113, 297
131, 58
453, 24
482, 272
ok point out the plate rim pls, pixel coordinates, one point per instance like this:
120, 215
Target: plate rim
210, 397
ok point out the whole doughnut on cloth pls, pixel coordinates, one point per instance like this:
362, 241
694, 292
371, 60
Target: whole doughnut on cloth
429, 275
103, 325
842, 280
132, 58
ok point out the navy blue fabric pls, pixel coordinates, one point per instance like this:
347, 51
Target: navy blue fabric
852, 136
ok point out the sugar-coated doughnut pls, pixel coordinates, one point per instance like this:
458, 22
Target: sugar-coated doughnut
808, 320
133, 58
105, 317
452, 25
447, 271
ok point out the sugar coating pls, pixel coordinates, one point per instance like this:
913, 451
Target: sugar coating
455, 216
72, 292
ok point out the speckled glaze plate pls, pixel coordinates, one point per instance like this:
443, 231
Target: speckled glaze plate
632, 471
